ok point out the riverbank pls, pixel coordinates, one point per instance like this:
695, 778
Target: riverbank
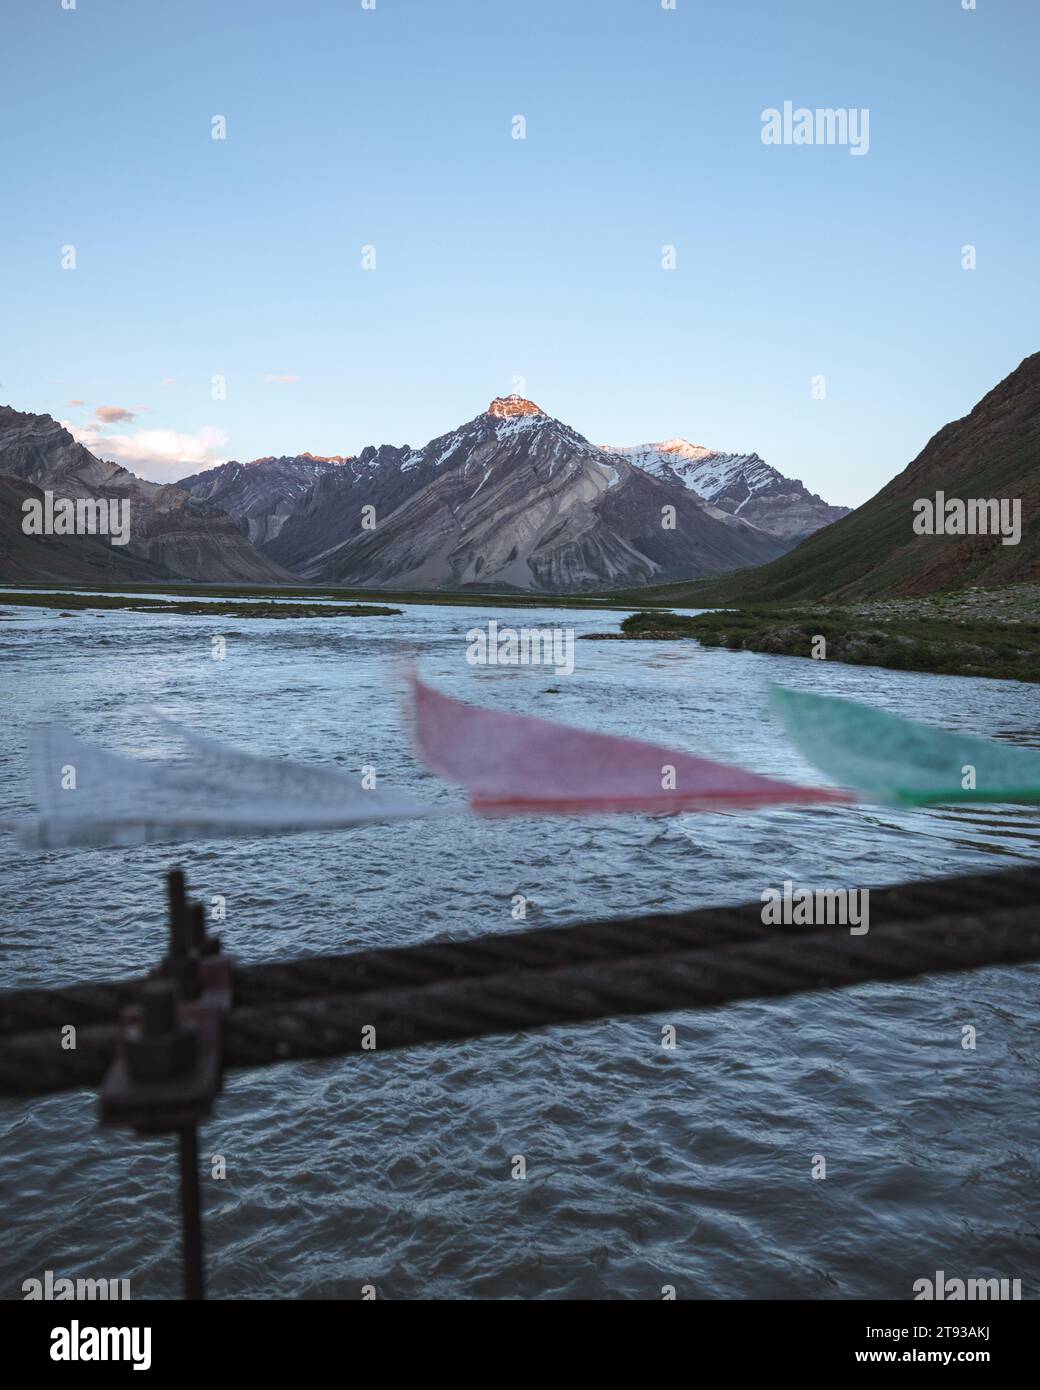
68, 602
979, 632
975, 632
623, 599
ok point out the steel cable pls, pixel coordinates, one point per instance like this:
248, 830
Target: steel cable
479, 989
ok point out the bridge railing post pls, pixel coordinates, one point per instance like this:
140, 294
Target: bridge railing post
168, 1066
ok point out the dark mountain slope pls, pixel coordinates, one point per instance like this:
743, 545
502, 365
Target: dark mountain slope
993, 452
168, 527
62, 559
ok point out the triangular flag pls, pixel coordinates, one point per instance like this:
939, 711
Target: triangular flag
895, 759
516, 763
86, 796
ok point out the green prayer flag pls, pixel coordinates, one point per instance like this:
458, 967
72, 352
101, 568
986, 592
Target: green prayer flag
890, 758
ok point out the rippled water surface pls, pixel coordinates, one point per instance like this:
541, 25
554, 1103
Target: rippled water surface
645, 1167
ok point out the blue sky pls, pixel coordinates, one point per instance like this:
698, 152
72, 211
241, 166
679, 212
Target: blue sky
499, 258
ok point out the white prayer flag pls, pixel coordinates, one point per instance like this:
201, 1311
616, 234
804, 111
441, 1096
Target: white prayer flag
87, 796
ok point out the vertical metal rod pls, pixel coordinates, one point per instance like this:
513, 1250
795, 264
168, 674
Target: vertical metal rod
197, 927
191, 1212
177, 898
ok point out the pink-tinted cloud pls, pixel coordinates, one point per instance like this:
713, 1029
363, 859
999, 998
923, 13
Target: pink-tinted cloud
113, 415
75, 402
160, 455
168, 380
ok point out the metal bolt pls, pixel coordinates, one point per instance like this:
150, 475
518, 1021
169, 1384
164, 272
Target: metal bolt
158, 1008
162, 1046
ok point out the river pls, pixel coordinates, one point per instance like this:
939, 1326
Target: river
645, 1167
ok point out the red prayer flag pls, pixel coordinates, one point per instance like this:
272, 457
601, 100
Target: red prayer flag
514, 762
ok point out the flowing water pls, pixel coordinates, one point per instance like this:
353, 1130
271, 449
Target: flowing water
645, 1167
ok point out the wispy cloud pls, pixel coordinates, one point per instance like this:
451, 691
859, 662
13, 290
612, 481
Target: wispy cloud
160, 455
75, 402
285, 380
113, 414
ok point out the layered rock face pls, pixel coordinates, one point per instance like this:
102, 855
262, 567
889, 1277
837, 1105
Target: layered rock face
515, 499
262, 495
741, 484
29, 559
296, 507
512, 499
176, 534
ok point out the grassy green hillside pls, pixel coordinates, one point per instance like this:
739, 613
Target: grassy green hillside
993, 452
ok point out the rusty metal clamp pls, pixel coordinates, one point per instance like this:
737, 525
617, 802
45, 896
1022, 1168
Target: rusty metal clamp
168, 1067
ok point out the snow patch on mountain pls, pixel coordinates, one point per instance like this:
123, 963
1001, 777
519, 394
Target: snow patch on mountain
740, 484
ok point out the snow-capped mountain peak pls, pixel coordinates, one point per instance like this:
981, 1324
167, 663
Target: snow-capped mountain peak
675, 449
518, 498
742, 484
508, 407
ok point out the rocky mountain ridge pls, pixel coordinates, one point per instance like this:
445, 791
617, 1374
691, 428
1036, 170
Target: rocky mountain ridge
306, 511
175, 534
741, 484
515, 499
991, 455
